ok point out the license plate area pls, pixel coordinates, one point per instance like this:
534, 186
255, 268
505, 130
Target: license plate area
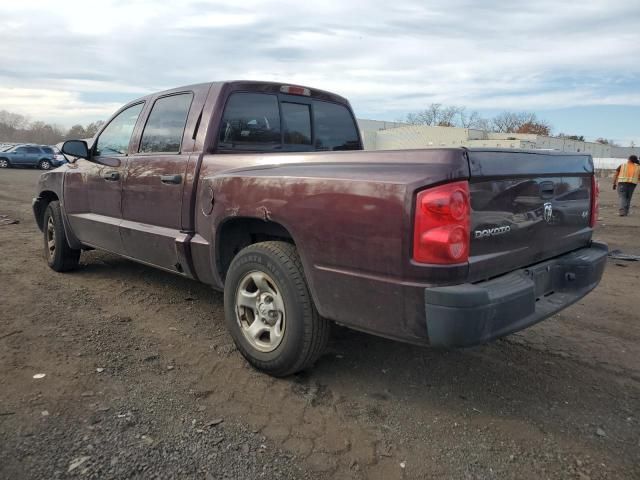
543, 280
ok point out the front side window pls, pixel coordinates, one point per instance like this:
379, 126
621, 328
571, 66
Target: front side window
165, 126
250, 119
334, 127
114, 139
21, 150
297, 123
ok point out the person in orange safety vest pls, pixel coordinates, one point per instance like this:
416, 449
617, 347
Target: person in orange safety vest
625, 180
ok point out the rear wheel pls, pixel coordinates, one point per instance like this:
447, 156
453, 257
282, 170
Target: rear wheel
269, 310
60, 256
44, 164
4, 163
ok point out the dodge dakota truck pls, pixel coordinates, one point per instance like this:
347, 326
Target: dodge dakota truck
263, 190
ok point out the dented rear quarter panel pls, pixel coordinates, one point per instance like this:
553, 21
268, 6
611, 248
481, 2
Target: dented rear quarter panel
350, 215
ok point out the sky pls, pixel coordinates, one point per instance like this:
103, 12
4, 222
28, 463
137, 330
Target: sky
576, 64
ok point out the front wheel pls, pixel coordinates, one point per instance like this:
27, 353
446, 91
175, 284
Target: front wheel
269, 310
4, 163
60, 256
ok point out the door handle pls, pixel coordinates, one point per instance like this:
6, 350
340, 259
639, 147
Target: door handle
171, 179
112, 176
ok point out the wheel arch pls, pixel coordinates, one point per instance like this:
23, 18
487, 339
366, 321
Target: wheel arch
236, 233
40, 206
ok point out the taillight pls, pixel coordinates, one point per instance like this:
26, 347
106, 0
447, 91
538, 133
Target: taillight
595, 202
442, 224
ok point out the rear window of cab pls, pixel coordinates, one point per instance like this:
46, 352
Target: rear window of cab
266, 122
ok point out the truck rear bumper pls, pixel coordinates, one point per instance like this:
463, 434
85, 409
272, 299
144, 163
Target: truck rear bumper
471, 314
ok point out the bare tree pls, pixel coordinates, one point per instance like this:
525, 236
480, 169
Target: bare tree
93, 128
520, 122
483, 124
17, 128
506, 122
472, 120
13, 120
447, 116
45, 134
433, 115
76, 132
437, 114
411, 118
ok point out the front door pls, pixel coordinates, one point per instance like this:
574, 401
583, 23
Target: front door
155, 182
19, 156
93, 188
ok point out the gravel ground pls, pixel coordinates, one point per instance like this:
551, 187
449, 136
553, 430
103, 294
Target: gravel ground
139, 371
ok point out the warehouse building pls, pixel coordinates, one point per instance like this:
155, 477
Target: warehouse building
380, 135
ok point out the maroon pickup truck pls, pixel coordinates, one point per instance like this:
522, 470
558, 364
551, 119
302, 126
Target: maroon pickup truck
263, 190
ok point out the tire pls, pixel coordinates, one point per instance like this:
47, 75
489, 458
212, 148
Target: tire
4, 163
298, 335
60, 256
44, 164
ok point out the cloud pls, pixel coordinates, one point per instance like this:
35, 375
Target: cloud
61, 106
387, 57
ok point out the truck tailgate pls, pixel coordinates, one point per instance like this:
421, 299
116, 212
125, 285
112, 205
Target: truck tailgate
527, 207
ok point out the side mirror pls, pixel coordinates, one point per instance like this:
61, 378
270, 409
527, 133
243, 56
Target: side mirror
76, 148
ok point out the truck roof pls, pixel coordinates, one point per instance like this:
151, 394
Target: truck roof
256, 85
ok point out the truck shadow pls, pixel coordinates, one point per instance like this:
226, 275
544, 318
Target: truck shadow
506, 379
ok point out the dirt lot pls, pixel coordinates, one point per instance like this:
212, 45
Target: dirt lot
143, 381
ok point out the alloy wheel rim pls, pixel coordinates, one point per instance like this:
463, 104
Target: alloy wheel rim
45, 165
3, 163
260, 311
51, 238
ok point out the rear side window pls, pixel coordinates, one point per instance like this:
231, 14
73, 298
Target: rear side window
33, 150
334, 127
250, 119
166, 123
48, 150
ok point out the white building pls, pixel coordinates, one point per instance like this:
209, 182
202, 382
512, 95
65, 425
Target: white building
378, 135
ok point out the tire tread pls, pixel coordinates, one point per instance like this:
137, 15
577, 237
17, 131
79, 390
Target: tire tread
68, 258
316, 335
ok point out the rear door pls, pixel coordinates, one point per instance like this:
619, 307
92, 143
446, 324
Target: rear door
33, 156
526, 207
159, 174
